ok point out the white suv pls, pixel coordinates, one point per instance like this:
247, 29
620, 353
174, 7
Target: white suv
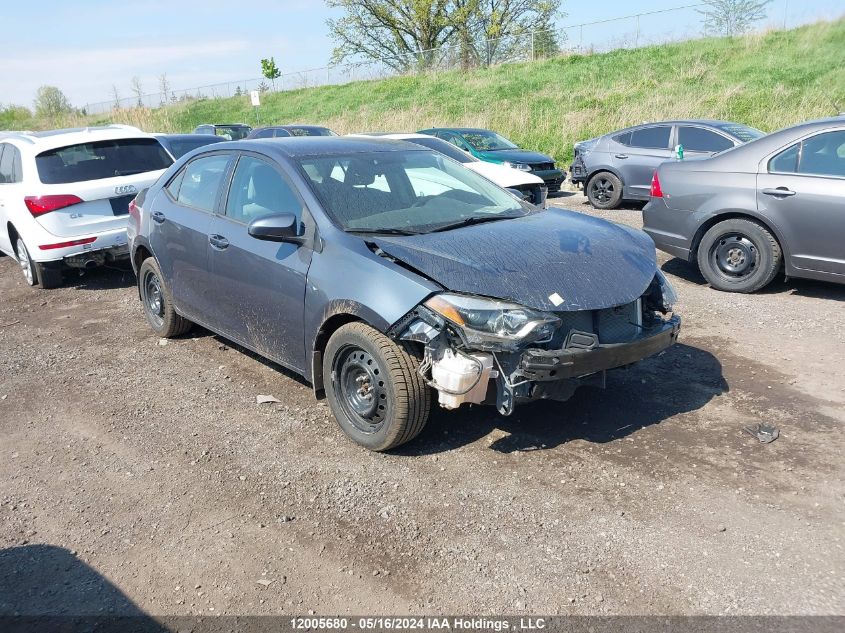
65, 194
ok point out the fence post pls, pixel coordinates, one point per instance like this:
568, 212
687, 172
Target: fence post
328, 74
533, 57
637, 41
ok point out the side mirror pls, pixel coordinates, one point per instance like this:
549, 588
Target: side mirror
280, 227
519, 194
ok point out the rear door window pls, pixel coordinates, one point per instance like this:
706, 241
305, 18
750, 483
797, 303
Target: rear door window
823, 155
6, 164
200, 184
786, 162
101, 159
651, 137
697, 139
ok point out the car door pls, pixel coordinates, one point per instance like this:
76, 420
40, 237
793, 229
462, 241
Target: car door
699, 142
6, 183
639, 156
802, 189
180, 222
258, 285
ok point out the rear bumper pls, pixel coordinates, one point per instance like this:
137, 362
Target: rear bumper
107, 246
548, 365
671, 229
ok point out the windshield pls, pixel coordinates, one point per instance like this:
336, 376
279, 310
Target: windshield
232, 132
485, 140
444, 147
101, 159
742, 132
309, 130
410, 192
180, 147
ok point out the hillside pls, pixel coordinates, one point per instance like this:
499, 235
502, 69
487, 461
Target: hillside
768, 81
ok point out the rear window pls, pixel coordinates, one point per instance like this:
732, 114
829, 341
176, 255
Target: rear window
742, 132
101, 159
180, 147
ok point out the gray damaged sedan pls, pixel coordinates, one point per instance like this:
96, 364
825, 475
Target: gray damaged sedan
777, 203
324, 255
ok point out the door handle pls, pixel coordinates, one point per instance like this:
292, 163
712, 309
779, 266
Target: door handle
218, 241
623, 156
158, 217
780, 192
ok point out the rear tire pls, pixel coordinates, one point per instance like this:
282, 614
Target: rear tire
157, 301
739, 256
604, 190
30, 272
375, 392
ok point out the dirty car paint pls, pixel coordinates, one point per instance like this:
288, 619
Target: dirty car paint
590, 263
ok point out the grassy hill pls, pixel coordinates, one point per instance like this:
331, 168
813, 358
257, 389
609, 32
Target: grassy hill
767, 80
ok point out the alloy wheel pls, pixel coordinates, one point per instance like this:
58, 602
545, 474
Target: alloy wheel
602, 190
25, 263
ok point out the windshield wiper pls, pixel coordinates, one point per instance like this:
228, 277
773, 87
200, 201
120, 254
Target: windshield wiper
383, 231
470, 221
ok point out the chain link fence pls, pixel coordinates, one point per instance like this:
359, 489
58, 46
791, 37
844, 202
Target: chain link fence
631, 31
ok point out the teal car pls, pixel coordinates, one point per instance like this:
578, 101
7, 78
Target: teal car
495, 148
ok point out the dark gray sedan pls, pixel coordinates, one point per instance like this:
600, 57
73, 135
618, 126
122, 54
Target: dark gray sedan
325, 256
776, 203
618, 166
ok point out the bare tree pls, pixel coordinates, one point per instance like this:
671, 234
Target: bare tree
164, 87
138, 89
115, 95
732, 17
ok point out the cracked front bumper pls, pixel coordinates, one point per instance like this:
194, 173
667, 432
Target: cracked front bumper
548, 365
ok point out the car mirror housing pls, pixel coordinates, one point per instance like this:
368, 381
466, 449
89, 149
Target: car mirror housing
279, 227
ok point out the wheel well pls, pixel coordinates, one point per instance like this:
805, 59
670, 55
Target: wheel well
13, 237
706, 226
141, 253
329, 327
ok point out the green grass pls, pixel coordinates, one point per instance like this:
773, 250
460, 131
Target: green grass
768, 81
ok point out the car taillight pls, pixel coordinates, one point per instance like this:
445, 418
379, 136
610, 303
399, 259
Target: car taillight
39, 205
656, 191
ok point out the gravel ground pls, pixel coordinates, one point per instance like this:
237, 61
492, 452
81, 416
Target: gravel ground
141, 474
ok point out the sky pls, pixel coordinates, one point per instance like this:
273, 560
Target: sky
86, 46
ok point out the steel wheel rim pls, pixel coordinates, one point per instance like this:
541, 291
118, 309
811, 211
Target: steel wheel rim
359, 384
24, 262
153, 298
735, 256
602, 190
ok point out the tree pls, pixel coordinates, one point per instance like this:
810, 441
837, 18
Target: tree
400, 33
138, 89
115, 95
238, 91
263, 87
163, 87
51, 102
270, 70
732, 17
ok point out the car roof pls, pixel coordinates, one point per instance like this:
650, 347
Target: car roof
52, 139
717, 123
298, 146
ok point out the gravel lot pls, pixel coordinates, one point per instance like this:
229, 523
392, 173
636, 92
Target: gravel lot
139, 474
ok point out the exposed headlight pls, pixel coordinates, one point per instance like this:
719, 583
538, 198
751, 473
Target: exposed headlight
492, 324
670, 297
519, 166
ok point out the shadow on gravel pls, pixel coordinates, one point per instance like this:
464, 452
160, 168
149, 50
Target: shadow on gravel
681, 380
43, 587
102, 278
800, 287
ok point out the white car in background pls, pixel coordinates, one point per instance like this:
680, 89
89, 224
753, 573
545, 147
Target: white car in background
532, 188
65, 194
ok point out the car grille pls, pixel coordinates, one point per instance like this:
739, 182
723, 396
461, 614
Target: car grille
620, 324
542, 166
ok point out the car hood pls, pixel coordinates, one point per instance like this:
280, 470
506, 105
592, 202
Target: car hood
590, 263
503, 176
515, 156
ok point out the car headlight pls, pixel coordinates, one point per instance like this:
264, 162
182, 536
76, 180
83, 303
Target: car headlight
670, 297
489, 323
519, 166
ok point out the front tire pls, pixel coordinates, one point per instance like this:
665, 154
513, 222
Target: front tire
739, 256
373, 387
604, 190
157, 301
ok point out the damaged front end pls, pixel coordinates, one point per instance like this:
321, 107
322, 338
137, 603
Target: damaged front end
481, 350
